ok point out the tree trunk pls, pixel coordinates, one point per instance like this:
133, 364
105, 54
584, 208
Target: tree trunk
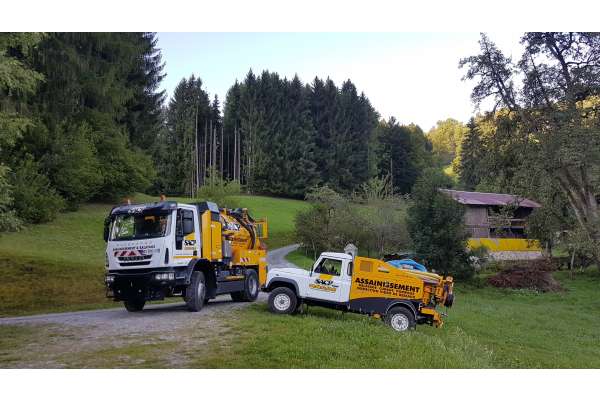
584, 205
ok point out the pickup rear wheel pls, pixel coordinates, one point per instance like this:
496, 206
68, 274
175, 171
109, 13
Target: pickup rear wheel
283, 300
400, 319
195, 293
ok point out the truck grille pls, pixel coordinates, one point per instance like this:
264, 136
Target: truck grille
132, 261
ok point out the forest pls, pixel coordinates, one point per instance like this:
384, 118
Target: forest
83, 118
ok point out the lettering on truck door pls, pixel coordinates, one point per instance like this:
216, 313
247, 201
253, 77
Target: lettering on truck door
329, 280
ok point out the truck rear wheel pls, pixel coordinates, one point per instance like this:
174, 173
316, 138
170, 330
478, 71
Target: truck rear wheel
195, 293
283, 300
134, 305
250, 292
400, 319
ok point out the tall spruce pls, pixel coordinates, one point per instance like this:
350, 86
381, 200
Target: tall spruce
188, 114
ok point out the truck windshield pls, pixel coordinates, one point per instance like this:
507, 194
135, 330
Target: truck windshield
132, 227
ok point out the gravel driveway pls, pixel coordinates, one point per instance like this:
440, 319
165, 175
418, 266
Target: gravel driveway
96, 338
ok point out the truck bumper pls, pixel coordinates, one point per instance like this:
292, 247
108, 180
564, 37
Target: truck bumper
153, 284
433, 316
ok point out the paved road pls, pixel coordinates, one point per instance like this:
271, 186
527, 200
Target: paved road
60, 334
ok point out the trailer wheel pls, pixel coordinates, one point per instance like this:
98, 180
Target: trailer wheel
195, 293
282, 300
134, 305
400, 319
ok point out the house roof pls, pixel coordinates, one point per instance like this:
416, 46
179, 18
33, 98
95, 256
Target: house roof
490, 199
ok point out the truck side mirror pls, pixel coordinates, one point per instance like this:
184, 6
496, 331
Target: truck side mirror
106, 228
188, 225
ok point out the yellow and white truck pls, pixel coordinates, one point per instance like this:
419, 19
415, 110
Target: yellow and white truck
403, 298
197, 251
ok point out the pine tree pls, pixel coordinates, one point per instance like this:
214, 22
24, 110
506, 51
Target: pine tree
468, 163
143, 116
184, 158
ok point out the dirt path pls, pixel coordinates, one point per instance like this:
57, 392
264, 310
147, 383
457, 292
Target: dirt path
117, 338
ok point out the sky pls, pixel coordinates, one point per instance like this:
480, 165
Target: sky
413, 77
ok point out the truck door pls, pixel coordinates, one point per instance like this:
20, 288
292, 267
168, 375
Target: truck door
329, 280
187, 235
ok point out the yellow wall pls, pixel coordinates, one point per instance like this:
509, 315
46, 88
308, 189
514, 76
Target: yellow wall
496, 244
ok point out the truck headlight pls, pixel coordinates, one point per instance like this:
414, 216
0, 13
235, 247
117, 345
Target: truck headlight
166, 276
109, 278
106, 260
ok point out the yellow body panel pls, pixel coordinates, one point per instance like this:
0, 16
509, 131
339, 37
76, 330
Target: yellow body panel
498, 244
206, 236
239, 234
375, 278
216, 251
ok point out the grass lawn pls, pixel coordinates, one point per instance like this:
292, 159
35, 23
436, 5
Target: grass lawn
59, 266
486, 328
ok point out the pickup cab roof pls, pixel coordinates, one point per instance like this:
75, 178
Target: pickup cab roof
343, 256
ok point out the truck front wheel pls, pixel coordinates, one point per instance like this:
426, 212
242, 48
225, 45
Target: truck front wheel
282, 300
195, 293
400, 319
134, 305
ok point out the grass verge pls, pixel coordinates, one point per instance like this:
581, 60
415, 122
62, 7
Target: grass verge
486, 328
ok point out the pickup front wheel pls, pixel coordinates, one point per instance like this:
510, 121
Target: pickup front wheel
283, 300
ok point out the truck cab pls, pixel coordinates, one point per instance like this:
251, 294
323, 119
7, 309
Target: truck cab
164, 249
403, 298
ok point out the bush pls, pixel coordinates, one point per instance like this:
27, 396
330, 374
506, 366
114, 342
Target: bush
73, 167
35, 200
219, 190
375, 224
8, 217
436, 225
124, 170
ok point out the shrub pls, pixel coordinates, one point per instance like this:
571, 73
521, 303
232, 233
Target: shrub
35, 200
8, 217
375, 224
436, 225
219, 190
73, 166
124, 170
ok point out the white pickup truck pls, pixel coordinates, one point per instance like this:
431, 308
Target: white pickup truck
403, 298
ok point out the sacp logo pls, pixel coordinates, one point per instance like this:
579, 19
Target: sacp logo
189, 242
325, 282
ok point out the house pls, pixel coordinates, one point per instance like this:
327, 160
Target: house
498, 222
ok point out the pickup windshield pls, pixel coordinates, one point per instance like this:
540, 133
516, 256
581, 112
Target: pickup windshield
132, 227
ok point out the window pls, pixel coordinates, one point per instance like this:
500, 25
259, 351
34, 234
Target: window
184, 226
329, 266
132, 227
185, 222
